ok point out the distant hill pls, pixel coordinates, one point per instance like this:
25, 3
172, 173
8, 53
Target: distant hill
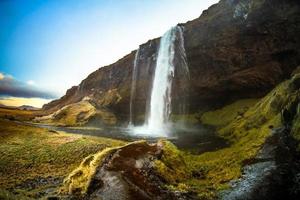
23, 107
27, 107
5, 106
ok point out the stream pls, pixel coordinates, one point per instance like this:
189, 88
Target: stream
198, 139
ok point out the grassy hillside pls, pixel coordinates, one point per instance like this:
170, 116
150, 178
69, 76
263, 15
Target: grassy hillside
34, 161
245, 124
16, 114
78, 114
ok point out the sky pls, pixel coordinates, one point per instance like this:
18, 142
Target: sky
47, 46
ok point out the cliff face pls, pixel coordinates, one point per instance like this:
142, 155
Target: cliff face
239, 49
235, 49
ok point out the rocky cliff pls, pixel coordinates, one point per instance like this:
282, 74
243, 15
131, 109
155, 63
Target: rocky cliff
235, 49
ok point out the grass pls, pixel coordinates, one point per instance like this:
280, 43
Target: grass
228, 113
29, 154
78, 114
75, 114
16, 114
218, 117
296, 128
6, 195
245, 124
172, 166
79, 180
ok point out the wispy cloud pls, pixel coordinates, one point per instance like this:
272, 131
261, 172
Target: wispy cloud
9, 86
30, 82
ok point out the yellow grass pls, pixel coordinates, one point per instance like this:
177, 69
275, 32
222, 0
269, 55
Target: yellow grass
30, 153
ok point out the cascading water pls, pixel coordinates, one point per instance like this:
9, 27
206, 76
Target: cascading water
133, 87
157, 122
160, 104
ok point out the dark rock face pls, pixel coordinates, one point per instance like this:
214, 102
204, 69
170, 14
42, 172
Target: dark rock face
273, 174
231, 57
235, 49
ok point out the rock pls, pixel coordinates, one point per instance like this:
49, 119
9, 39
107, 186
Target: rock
80, 113
272, 174
235, 49
296, 81
126, 172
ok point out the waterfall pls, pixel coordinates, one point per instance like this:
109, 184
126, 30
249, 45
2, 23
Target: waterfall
171, 48
133, 87
160, 103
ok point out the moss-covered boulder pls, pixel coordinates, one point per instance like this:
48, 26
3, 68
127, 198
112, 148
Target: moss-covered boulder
137, 170
79, 114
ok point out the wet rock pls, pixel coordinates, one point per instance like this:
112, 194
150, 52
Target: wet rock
228, 59
122, 173
272, 175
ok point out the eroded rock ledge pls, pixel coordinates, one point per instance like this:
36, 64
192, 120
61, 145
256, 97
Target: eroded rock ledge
235, 49
126, 172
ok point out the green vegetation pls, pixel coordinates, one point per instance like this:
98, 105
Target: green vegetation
78, 114
29, 155
228, 113
245, 124
110, 97
6, 195
189, 119
172, 166
71, 115
79, 180
296, 128
16, 114
294, 109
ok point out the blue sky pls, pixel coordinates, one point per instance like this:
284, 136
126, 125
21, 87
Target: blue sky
54, 44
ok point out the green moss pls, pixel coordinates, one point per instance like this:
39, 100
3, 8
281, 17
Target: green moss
27, 153
293, 107
109, 98
257, 119
75, 114
189, 119
296, 127
78, 114
172, 166
6, 195
246, 124
228, 113
79, 180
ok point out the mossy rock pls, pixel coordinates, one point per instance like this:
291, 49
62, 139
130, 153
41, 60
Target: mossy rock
79, 181
171, 166
79, 114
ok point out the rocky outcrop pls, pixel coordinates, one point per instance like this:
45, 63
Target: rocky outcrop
79, 114
235, 49
232, 56
273, 174
126, 172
